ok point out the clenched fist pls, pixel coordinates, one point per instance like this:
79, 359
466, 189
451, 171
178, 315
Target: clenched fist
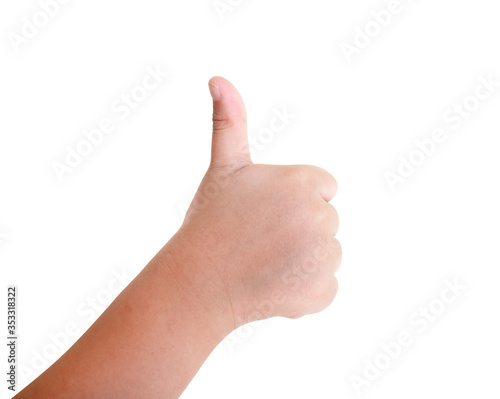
265, 233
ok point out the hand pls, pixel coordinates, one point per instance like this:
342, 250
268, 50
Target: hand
256, 242
265, 232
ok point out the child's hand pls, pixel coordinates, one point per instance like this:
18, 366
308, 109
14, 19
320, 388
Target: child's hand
266, 232
257, 242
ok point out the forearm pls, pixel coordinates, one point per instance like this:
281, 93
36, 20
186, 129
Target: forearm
151, 341
253, 233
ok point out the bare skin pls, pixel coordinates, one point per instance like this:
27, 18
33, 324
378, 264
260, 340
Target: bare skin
257, 242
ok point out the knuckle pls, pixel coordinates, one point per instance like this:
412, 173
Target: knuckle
334, 220
331, 292
327, 177
335, 214
324, 293
221, 122
337, 260
334, 184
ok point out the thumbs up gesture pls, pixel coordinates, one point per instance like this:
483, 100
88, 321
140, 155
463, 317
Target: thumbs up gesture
263, 234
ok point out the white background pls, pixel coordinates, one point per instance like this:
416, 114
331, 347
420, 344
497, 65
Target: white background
61, 241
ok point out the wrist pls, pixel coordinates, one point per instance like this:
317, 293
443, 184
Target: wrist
194, 282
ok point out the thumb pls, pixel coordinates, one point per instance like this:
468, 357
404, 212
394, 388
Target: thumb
229, 139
